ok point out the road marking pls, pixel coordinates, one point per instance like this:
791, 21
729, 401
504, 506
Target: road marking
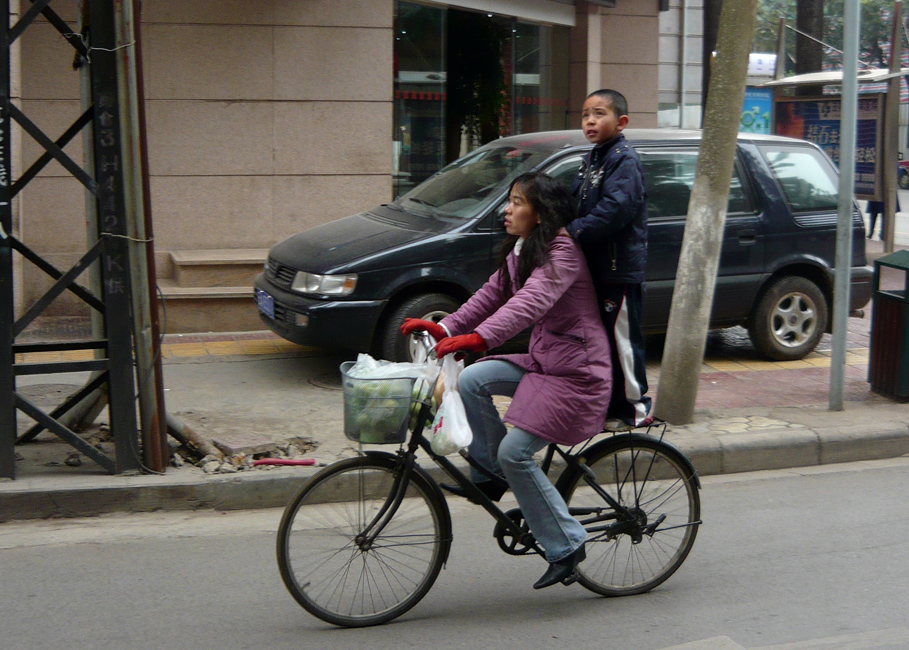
892, 638
714, 643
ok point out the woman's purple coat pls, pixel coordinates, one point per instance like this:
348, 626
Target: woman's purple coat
565, 393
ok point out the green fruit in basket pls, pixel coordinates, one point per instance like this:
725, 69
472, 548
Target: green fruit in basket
420, 389
414, 414
381, 389
362, 422
369, 436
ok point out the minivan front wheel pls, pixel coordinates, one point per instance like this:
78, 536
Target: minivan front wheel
427, 306
789, 320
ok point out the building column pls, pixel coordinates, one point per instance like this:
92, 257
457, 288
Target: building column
617, 48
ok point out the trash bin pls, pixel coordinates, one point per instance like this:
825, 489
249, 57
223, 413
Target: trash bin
888, 367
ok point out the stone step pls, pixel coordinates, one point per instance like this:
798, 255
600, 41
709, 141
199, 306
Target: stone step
207, 309
217, 268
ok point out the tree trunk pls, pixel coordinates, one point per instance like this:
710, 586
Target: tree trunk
809, 53
711, 17
694, 286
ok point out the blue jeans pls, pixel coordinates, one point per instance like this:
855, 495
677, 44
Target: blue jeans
510, 454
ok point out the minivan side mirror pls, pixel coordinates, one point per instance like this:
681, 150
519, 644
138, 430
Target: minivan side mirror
499, 222
495, 219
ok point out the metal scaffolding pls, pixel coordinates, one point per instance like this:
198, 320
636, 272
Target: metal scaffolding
113, 365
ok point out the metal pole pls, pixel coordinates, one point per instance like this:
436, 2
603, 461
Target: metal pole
848, 114
779, 68
890, 154
151, 411
112, 228
142, 132
7, 381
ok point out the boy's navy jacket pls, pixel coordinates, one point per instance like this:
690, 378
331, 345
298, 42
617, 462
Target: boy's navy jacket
611, 226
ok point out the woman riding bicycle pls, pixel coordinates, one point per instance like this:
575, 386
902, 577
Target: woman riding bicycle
560, 389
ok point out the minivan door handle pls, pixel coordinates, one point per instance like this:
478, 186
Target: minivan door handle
747, 237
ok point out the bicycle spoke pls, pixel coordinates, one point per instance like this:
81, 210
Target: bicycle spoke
344, 575
636, 547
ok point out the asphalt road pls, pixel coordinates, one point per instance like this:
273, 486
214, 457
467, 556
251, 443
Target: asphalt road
807, 558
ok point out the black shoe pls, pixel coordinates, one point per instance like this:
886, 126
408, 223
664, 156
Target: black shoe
491, 489
563, 571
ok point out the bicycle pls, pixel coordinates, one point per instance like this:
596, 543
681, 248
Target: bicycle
364, 540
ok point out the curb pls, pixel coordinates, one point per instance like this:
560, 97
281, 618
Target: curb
711, 455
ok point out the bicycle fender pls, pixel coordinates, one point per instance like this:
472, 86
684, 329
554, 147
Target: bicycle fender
619, 439
379, 454
434, 486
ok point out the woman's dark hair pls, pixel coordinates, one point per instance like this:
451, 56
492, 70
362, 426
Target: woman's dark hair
551, 201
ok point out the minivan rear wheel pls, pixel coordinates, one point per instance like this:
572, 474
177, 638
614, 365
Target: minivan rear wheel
789, 319
427, 306
903, 179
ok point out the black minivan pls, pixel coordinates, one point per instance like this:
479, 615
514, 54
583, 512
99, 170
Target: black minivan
349, 284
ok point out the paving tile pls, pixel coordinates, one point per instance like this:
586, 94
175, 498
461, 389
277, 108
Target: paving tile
258, 347
800, 363
186, 350
760, 365
724, 365
223, 348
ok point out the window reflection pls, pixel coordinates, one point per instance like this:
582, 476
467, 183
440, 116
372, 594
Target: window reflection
419, 93
464, 78
669, 178
809, 183
466, 186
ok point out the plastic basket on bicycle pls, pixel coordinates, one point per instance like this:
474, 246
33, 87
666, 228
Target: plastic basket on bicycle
377, 411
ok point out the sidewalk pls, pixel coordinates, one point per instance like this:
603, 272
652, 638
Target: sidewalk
252, 387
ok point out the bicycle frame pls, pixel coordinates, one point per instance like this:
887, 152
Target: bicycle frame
623, 518
407, 461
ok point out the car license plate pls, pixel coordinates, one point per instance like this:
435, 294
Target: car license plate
265, 303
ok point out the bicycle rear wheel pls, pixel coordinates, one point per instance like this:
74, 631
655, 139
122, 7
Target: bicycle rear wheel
344, 579
653, 481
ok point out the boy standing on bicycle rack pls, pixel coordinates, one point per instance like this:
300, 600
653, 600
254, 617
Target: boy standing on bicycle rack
560, 388
611, 228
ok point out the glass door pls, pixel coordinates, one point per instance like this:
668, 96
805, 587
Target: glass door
464, 78
420, 94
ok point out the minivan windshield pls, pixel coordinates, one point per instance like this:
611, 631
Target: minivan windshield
465, 187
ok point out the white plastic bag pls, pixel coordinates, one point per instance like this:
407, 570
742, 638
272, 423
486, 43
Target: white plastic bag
368, 368
450, 430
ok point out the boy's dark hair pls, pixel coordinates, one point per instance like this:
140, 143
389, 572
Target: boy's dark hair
617, 99
551, 200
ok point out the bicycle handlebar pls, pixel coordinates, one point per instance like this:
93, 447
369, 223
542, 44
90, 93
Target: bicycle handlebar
427, 342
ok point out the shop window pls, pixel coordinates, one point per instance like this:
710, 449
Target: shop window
464, 78
419, 94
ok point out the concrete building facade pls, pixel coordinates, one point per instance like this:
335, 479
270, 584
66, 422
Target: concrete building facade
272, 116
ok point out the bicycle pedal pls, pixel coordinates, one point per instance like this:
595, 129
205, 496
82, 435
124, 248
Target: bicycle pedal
573, 578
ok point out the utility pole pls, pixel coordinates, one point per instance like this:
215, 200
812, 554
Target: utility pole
890, 154
848, 113
692, 298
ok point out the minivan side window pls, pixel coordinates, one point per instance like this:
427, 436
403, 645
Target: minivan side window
563, 170
669, 177
566, 170
808, 181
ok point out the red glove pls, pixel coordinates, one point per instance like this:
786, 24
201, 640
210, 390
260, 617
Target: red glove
435, 330
472, 342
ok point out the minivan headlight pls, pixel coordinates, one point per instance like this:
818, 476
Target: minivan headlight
328, 285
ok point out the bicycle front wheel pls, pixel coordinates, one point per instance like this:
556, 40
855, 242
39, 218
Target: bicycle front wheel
341, 573
635, 548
